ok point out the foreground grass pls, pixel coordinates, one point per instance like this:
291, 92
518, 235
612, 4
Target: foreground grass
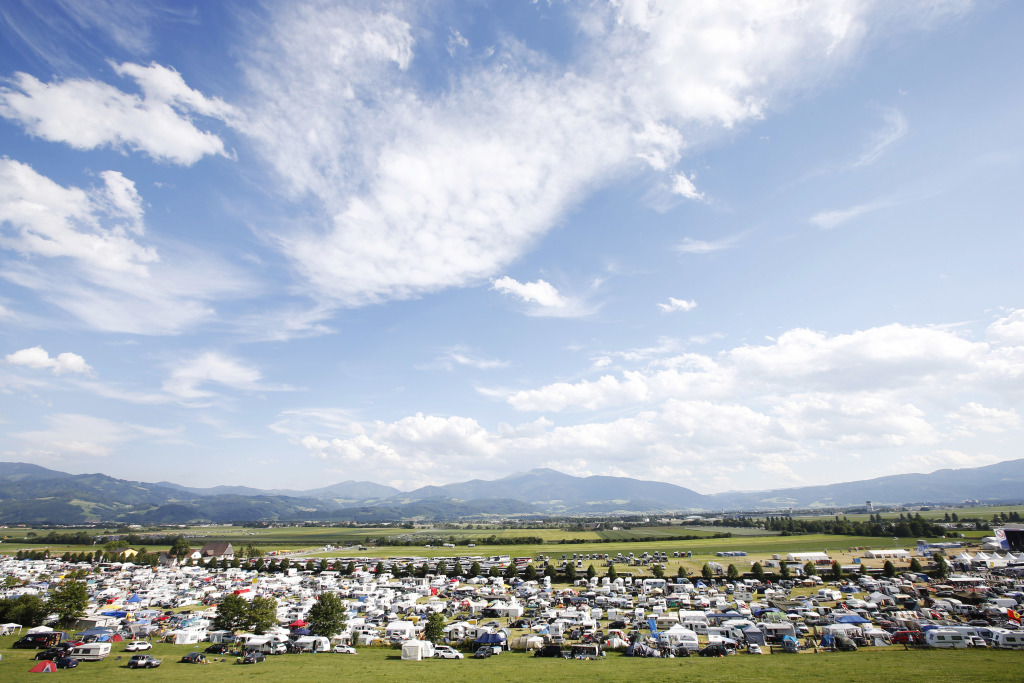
892, 663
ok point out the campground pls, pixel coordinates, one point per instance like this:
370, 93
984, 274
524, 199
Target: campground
385, 664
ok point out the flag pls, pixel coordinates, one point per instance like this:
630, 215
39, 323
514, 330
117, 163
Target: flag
1012, 615
652, 623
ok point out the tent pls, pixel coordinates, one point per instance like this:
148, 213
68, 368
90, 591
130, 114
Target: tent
45, 666
852, 619
416, 650
638, 649
490, 639
754, 635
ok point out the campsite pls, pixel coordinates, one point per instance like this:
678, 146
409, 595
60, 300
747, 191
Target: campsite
518, 605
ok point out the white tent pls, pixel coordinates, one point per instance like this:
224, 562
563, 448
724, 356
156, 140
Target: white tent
416, 650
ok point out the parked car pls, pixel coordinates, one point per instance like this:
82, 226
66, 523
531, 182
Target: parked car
552, 651
483, 652
217, 649
715, 650
253, 657
344, 650
138, 646
53, 652
143, 662
908, 637
194, 658
39, 641
446, 652
67, 663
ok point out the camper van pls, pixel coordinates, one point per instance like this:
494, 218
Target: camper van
90, 652
1011, 640
945, 637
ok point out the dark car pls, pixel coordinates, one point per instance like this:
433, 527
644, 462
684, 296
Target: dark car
483, 653
143, 662
552, 651
194, 658
253, 657
54, 652
714, 650
67, 663
39, 641
217, 649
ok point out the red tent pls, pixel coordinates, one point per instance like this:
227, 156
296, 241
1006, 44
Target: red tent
116, 638
45, 666
299, 623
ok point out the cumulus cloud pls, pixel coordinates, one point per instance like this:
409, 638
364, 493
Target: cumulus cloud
37, 358
417, 190
88, 114
677, 305
684, 187
546, 300
107, 276
896, 398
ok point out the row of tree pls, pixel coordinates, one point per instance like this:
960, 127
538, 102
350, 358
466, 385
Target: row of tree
68, 601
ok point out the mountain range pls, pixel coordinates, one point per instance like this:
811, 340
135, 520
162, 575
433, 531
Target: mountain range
33, 494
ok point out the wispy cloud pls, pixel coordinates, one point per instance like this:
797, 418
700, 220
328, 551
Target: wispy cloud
692, 246
826, 220
894, 129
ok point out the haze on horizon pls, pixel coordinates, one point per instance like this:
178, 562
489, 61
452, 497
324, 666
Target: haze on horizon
728, 245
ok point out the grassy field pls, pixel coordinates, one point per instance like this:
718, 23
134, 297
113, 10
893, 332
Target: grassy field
892, 663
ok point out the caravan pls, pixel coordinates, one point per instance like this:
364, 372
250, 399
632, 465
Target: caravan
90, 651
945, 638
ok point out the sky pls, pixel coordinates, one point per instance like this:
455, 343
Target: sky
728, 245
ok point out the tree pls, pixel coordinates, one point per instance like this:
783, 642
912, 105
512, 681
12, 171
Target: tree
570, 572
494, 571
888, 569
706, 572
434, 630
863, 571
327, 617
27, 610
810, 569
758, 571
682, 572
232, 614
658, 570
511, 571
612, 574
942, 569
69, 600
915, 565
591, 572
837, 572
550, 572
442, 568
784, 572
474, 570
732, 573
530, 573
180, 547
262, 614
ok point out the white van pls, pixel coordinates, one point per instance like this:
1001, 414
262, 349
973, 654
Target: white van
945, 637
1011, 640
90, 652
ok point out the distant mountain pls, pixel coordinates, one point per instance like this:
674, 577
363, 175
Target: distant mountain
33, 494
1001, 482
552, 489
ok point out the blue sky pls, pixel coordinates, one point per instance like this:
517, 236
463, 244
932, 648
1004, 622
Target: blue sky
731, 245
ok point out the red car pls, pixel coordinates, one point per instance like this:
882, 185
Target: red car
908, 637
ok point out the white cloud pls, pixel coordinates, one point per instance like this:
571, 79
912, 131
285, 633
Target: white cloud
684, 187
87, 114
692, 246
75, 435
880, 141
37, 358
973, 417
677, 305
107, 276
546, 299
460, 356
1009, 329
455, 41
188, 379
826, 220
421, 190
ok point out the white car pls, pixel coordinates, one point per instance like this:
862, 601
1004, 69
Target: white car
138, 646
344, 650
445, 652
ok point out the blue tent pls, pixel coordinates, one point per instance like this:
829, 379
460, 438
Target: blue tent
852, 619
134, 598
115, 613
490, 639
